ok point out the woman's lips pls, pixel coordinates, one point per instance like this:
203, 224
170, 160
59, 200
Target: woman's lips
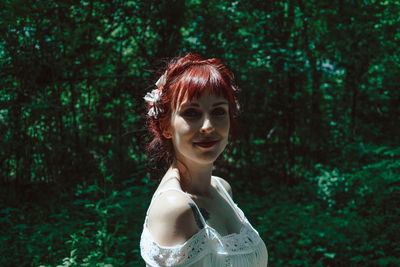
206, 143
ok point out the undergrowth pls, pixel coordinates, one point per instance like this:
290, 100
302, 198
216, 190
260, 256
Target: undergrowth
331, 218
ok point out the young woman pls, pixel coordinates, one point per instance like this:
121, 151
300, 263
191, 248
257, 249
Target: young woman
192, 219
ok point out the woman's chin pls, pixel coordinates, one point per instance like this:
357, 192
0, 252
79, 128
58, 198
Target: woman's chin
208, 157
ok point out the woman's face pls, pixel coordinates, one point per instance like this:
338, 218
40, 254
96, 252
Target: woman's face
199, 129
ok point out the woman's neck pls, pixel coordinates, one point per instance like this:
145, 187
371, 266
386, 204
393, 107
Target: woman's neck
195, 178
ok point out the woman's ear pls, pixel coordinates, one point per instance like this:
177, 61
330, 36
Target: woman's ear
167, 133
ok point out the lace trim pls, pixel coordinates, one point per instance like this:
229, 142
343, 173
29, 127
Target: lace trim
186, 253
232, 244
197, 246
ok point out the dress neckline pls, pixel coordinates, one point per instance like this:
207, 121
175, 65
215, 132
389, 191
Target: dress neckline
237, 211
200, 232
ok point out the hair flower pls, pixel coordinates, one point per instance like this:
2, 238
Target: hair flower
155, 95
162, 80
152, 98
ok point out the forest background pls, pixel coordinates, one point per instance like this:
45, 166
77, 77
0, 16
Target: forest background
316, 167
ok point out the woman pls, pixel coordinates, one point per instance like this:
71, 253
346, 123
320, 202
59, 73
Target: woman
192, 219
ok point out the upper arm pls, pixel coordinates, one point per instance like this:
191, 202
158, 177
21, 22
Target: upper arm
226, 185
171, 220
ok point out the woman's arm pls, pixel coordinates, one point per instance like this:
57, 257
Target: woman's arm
172, 219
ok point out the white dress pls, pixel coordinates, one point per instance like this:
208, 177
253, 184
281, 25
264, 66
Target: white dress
207, 248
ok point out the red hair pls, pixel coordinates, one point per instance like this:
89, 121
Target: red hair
189, 76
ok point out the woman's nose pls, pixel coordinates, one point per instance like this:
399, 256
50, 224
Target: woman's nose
207, 126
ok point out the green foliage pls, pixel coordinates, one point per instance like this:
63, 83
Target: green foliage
333, 219
95, 226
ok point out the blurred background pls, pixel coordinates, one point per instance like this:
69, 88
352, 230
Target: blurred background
317, 165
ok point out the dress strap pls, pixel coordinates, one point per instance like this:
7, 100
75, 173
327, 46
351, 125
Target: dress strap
232, 203
203, 221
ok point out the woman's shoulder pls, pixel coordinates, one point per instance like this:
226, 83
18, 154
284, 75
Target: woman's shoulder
225, 184
170, 219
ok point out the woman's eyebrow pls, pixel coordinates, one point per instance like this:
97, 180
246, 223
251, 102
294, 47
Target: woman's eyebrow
193, 104
220, 103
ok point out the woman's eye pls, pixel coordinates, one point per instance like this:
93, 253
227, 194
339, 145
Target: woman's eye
191, 113
219, 111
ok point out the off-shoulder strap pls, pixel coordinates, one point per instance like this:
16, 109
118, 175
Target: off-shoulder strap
180, 255
157, 194
233, 204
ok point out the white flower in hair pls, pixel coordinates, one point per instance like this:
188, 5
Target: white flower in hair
154, 96
162, 80
153, 112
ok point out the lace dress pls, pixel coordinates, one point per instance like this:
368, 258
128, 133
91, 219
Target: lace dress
207, 248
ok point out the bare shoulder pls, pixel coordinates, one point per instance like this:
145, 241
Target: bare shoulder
225, 184
171, 220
